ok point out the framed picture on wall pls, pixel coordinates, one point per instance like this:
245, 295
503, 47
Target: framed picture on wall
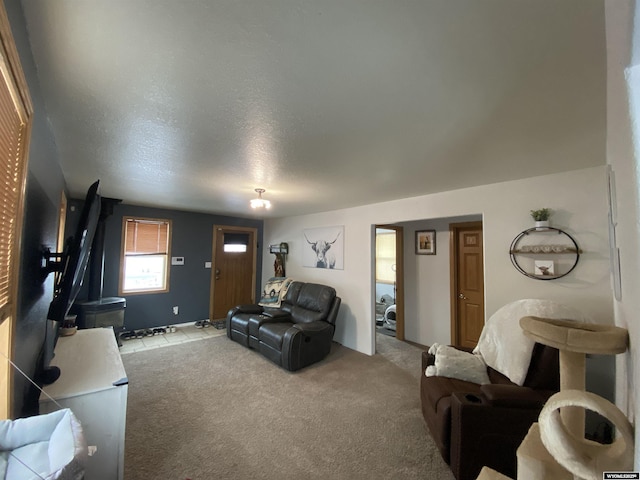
324, 247
544, 268
425, 242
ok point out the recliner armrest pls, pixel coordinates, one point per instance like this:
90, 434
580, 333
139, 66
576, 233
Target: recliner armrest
512, 396
313, 327
249, 308
276, 313
488, 434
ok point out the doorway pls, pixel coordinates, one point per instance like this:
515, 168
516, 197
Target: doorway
233, 272
467, 283
388, 279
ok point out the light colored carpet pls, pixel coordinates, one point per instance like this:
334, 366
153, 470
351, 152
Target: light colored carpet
213, 409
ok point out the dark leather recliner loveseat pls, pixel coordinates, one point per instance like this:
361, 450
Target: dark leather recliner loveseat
296, 334
475, 425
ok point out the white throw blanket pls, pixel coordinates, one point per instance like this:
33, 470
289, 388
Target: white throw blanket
503, 344
274, 291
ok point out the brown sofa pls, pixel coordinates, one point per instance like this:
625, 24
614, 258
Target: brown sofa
475, 425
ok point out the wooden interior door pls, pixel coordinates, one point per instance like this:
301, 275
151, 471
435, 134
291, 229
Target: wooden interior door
467, 285
233, 272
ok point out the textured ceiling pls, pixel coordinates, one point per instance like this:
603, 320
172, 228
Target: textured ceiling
324, 103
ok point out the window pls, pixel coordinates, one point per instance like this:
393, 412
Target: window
62, 222
145, 255
15, 126
385, 256
235, 242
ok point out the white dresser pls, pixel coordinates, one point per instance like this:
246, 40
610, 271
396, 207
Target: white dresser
94, 385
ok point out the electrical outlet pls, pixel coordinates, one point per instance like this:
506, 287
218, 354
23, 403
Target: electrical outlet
175, 310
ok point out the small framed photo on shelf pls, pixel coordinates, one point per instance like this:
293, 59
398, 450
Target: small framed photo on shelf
543, 268
425, 242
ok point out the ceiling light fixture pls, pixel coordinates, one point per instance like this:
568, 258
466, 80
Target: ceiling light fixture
260, 202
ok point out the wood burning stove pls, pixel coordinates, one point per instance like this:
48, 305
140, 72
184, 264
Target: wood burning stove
96, 311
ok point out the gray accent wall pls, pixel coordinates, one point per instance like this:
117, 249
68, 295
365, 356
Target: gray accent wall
189, 284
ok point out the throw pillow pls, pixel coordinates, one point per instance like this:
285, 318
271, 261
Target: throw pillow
274, 291
453, 363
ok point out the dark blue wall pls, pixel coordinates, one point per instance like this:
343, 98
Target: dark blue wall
189, 284
45, 184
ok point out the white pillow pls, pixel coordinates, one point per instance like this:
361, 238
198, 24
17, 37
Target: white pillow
503, 344
453, 363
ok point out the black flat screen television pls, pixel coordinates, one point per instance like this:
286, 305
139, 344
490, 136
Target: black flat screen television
68, 278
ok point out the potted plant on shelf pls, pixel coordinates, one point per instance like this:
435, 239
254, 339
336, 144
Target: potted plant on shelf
541, 217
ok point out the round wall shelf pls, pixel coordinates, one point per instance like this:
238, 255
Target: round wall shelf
544, 253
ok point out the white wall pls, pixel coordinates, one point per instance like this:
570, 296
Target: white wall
624, 163
578, 199
427, 309
427, 283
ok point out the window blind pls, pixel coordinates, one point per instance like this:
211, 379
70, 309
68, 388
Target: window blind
385, 257
12, 134
146, 237
145, 255
16, 112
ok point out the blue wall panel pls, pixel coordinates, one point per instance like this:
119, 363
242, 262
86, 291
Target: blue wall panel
189, 284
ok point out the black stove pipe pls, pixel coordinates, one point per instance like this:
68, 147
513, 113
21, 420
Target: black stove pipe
96, 260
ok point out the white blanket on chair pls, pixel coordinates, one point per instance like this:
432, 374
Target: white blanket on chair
503, 344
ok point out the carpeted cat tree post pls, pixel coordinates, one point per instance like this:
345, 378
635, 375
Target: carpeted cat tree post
560, 428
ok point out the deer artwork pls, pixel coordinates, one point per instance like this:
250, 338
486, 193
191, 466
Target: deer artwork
321, 247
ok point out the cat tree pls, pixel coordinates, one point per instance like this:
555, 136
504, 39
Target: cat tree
555, 447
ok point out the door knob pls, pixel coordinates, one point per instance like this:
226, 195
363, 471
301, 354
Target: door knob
462, 296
